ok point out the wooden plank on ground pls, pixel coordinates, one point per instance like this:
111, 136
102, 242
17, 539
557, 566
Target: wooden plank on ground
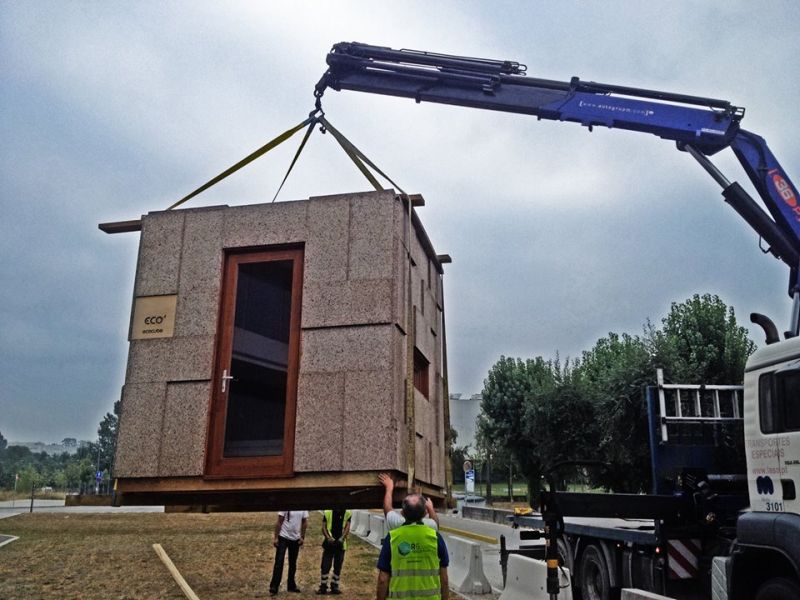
176, 575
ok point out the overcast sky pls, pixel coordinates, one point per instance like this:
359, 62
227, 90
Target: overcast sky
109, 110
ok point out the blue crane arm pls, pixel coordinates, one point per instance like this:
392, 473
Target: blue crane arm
701, 125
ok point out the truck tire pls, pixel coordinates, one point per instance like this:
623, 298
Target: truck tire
565, 555
566, 560
593, 574
779, 588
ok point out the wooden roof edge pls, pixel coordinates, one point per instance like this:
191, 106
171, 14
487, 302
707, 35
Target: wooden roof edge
121, 226
444, 259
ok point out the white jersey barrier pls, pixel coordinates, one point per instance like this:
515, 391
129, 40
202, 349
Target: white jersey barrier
360, 524
527, 580
376, 525
466, 567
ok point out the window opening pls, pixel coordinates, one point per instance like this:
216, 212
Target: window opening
421, 372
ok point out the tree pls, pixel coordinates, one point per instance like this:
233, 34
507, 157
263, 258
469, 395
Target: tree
458, 454
107, 438
613, 375
701, 342
535, 410
29, 477
563, 423
3, 442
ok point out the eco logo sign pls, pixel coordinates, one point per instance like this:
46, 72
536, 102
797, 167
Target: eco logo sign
153, 317
765, 486
404, 548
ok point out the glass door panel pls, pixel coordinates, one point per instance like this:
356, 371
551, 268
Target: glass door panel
257, 396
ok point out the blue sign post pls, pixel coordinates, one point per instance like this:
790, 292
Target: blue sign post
469, 481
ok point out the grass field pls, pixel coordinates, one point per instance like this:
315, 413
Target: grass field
62, 555
20, 496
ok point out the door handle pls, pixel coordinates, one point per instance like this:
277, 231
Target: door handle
225, 378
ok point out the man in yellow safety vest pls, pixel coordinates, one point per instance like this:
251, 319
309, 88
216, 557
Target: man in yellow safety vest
335, 529
413, 561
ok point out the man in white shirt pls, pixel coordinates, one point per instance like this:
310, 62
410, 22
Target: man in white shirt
290, 532
395, 519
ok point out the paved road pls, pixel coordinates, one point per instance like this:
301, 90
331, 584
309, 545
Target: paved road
10, 508
491, 552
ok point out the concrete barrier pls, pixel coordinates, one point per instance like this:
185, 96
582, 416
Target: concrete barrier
362, 524
466, 567
527, 580
491, 515
355, 522
376, 525
631, 594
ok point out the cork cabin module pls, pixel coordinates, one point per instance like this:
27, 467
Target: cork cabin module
282, 355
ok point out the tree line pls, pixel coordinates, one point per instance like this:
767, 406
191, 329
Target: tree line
23, 469
538, 412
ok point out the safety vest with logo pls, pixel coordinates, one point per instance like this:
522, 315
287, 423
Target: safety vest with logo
329, 519
415, 563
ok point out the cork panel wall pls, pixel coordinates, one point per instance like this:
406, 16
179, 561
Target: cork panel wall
437, 397
139, 438
170, 359
159, 254
320, 422
183, 436
423, 460
438, 464
371, 236
332, 304
264, 225
400, 292
346, 349
200, 273
399, 342
327, 241
425, 339
425, 413
370, 429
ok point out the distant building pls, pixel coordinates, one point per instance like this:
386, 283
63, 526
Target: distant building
51, 449
464, 411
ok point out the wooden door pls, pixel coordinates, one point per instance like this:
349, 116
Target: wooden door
255, 384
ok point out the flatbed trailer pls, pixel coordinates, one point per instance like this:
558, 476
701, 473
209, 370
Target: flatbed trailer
605, 553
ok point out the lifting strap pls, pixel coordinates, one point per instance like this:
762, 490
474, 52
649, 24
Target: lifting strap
246, 161
309, 131
358, 158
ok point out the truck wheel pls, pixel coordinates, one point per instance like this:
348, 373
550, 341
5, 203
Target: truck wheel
565, 558
593, 574
779, 588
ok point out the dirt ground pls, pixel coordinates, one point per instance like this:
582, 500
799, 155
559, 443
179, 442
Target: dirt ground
110, 556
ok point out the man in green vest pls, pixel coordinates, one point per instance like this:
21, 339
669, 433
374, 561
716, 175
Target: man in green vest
413, 561
335, 529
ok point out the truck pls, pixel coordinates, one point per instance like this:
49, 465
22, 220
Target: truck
718, 523
702, 533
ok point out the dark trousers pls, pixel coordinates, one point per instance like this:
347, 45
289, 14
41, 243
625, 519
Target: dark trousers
332, 556
277, 570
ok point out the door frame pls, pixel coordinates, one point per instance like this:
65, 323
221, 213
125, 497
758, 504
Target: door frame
245, 467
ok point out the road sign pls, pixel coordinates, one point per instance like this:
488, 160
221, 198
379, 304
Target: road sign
469, 480
99, 476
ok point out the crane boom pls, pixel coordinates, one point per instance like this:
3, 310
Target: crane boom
702, 126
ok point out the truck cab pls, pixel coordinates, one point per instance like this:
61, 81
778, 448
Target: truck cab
765, 562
